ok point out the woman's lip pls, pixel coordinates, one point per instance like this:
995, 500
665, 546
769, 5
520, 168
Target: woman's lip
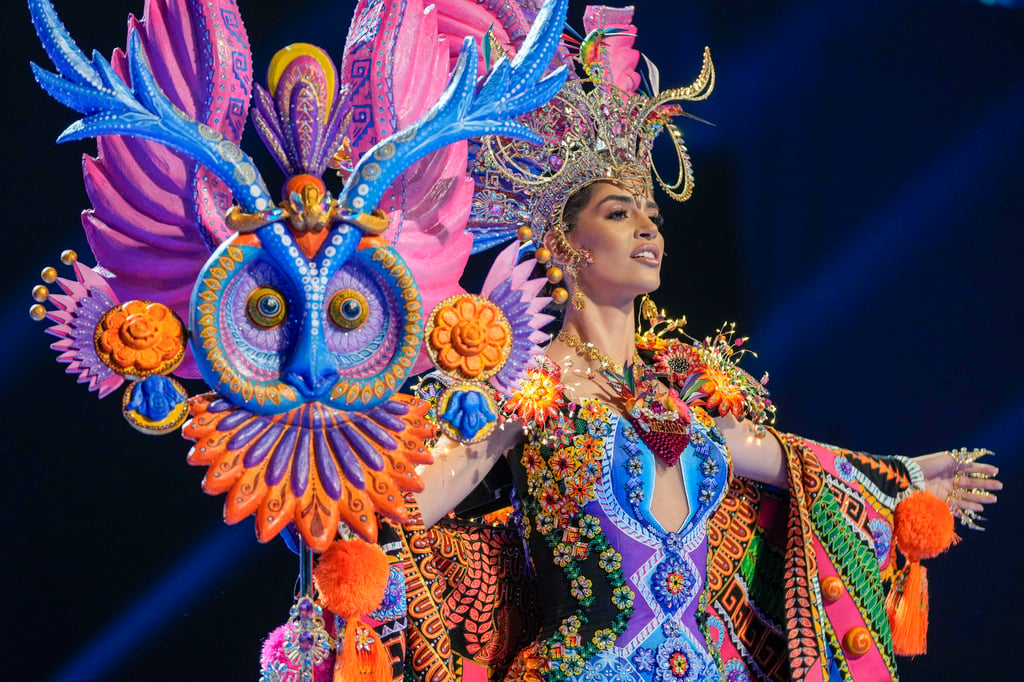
651, 259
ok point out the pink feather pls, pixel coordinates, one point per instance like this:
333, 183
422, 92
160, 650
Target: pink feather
155, 215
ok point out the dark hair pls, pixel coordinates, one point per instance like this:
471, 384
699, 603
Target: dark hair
575, 204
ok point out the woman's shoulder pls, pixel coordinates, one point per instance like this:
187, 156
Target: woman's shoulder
706, 373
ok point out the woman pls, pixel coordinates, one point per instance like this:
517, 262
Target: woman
667, 545
648, 518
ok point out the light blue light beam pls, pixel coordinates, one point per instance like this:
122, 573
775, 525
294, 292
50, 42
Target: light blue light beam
858, 271
184, 583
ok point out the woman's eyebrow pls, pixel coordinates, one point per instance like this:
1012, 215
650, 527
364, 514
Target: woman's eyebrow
616, 197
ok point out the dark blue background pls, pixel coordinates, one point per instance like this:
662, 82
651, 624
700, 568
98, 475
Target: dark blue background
858, 211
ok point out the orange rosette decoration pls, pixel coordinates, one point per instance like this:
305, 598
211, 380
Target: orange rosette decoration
723, 393
140, 339
468, 337
539, 396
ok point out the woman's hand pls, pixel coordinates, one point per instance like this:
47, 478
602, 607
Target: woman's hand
964, 483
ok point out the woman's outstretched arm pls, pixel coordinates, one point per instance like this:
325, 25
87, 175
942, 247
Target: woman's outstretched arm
762, 459
457, 469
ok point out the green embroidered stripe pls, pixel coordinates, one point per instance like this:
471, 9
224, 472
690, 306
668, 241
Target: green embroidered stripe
856, 564
762, 568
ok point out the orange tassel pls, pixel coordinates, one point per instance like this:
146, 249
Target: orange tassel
363, 656
923, 529
907, 605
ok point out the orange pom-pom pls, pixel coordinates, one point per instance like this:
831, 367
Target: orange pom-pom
924, 526
352, 576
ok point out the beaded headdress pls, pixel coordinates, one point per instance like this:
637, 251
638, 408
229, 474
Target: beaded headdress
599, 127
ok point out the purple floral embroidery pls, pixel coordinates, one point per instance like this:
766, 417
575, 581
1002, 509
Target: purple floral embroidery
881, 533
643, 659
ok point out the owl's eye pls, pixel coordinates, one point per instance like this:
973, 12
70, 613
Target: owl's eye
266, 307
348, 309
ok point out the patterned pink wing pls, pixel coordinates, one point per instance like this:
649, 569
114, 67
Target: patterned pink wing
156, 215
619, 58
398, 57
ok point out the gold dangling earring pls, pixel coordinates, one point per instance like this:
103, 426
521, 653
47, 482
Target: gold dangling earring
648, 310
578, 299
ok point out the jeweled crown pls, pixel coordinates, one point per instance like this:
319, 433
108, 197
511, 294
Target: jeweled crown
592, 130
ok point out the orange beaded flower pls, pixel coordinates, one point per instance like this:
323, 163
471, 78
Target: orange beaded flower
140, 338
724, 393
469, 337
539, 396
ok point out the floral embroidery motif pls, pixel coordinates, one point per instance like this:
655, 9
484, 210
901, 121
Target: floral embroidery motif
844, 468
677, 661
562, 475
643, 659
674, 583
881, 533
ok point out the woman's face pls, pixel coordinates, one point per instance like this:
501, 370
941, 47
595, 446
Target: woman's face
622, 233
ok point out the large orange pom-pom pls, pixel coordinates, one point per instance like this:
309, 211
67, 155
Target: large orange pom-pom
924, 526
352, 576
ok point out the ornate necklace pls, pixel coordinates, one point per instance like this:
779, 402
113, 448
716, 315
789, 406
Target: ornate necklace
662, 420
589, 351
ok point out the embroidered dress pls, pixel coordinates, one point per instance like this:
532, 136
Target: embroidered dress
621, 594
758, 583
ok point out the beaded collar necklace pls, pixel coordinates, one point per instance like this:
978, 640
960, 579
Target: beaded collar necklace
661, 419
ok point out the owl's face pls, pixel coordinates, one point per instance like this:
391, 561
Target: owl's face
280, 321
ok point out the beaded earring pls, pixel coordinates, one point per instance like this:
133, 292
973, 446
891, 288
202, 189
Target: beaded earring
576, 260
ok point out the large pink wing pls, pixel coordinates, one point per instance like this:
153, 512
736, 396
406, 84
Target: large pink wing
398, 57
157, 215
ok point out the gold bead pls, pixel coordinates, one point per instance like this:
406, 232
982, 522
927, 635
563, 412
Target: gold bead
559, 295
542, 255
524, 233
68, 257
832, 589
37, 312
554, 274
40, 293
857, 641
49, 274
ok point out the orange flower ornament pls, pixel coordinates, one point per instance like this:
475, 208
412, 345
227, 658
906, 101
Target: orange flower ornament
140, 339
468, 337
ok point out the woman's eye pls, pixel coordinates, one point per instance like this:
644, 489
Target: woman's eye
348, 309
618, 214
658, 220
266, 307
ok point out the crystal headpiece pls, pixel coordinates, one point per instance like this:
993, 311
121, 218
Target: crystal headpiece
592, 130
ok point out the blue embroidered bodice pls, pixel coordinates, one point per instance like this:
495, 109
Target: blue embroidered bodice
633, 614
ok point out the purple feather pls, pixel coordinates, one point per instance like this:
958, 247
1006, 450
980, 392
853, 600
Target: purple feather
326, 467
300, 464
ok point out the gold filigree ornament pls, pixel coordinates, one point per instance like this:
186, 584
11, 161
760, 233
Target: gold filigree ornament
592, 131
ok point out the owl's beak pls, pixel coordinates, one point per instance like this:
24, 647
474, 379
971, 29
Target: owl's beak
310, 370
312, 384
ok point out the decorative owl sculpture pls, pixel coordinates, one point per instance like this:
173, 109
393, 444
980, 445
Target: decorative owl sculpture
303, 317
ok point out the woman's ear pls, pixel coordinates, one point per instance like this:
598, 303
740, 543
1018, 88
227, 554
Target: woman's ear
557, 242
